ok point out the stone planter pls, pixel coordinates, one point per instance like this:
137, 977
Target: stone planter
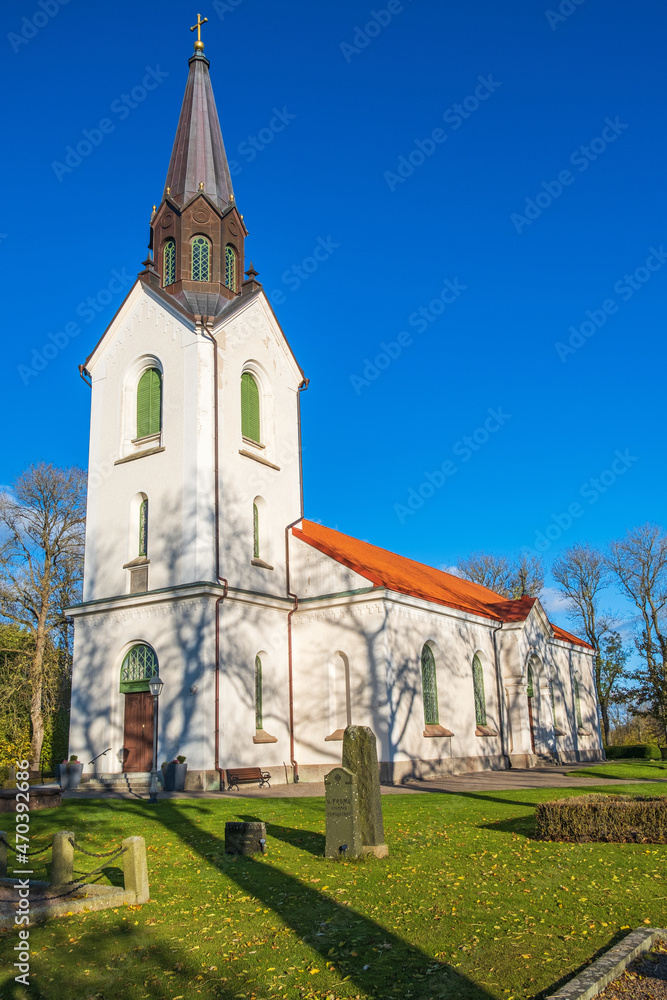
75, 773
174, 777
63, 776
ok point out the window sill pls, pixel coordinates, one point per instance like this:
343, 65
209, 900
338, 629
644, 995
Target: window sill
559, 732
139, 454
148, 439
261, 736
435, 730
336, 735
256, 458
485, 731
583, 732
254, 444
260, 563
139, 561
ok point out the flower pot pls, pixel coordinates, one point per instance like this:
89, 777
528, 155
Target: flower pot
63, 776
174, 777
75, 772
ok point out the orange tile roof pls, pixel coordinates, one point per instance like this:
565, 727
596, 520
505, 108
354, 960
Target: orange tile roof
406, 576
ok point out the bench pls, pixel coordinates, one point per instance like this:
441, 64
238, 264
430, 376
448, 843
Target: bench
242, 775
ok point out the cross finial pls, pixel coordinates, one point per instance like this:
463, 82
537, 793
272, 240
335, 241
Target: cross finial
199, 45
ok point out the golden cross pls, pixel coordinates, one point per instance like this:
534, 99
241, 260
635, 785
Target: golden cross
199, 44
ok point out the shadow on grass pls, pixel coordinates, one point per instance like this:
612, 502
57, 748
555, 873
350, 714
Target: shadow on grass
549, 991
303, 840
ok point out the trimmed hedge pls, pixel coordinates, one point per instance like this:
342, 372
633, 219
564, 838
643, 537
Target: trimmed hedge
620, 819
638, 751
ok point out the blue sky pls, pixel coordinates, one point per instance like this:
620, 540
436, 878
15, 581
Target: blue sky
489, 182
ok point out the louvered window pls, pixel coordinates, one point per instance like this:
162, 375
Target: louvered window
143, 528
259, 722
478, 684
201, 259
230, 267
429, 688
169, 263
249, 407
149, 403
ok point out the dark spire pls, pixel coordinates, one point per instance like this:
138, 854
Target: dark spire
198, 161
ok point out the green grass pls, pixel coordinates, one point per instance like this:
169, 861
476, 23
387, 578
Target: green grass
627, 770
467, 905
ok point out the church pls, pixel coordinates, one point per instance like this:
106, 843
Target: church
270, 633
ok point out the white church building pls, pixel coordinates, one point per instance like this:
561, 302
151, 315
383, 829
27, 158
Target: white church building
270, 633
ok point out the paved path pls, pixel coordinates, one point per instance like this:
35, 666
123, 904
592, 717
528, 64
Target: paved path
477, 781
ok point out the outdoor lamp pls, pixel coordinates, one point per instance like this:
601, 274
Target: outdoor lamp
155, 686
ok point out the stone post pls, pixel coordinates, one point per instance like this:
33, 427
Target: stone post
62, 858
3, 854
360, 757
135, 869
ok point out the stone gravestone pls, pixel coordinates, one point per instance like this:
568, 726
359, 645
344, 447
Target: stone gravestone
342, 814
360, 757
245, 838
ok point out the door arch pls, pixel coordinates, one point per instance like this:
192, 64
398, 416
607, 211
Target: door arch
139, 664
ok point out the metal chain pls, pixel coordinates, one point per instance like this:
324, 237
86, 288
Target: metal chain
78, 884
27, 854
108, 854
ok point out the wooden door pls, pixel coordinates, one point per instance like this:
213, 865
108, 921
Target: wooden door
138, 733
531, 722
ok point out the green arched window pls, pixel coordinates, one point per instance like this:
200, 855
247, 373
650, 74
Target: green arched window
139, 665
429, 688
169, 263
255, 532
577, 704
530, 687
478, 684
230, 267
201, 259
149, 403
259, 721
249, 407
143, 528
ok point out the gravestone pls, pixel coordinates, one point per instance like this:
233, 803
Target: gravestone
342, 814
360, 757
245, 838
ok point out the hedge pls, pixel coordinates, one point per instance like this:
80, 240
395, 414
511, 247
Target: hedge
617, 819
638, 751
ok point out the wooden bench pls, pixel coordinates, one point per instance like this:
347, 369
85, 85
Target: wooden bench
242, 775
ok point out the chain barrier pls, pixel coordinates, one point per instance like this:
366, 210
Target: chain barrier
27, 854
78, 885
109, 854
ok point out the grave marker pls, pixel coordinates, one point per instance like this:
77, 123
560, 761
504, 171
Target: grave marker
342, 814
360, 757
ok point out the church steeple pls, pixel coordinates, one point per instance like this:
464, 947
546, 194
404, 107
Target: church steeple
197, 233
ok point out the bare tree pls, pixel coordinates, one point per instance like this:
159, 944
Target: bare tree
583, 574
639, 562
43, 520
511, 578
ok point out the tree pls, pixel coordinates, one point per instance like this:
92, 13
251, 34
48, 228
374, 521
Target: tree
582, 574
639, 562
42, 519
511, 578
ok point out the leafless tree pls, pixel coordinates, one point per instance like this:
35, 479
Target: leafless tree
639, 562
511, 578
582, 574
42, 519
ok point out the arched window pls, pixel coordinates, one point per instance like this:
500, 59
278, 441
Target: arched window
577, 704
139, 665
530, 688
259, 721
255, 532
143, 528
230, 267
429, 688
478, 684
149, 403
169, 263
250, 407
201, 259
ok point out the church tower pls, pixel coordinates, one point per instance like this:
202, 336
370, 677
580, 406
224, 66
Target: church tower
194, 477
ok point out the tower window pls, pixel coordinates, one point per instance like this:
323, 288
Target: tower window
255, 532
259, 720
143, 528
429, 688
169, 263
149, 403
230, 267
249, 407
201, 259
478, 684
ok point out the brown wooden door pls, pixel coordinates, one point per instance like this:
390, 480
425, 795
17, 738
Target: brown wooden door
138, 734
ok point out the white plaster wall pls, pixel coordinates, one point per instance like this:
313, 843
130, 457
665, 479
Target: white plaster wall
314, 574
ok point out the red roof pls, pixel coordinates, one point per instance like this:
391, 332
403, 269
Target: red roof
405, 576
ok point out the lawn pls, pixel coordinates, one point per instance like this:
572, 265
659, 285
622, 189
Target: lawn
628, 770
467, 905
